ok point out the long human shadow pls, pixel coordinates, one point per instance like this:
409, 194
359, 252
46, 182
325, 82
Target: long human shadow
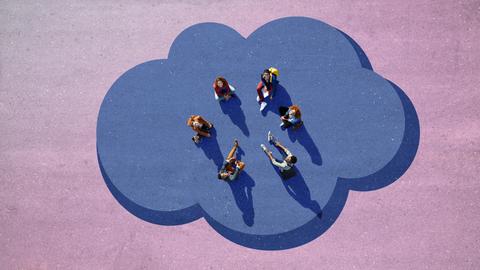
298, 190
280, 98
242, 192
233, 109
303, 137
211, 149
241, 187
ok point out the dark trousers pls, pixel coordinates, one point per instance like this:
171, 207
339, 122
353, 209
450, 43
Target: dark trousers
283, 112
204, 128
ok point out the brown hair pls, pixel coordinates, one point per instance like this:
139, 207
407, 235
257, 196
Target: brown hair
222, 79
190, 120
298, 114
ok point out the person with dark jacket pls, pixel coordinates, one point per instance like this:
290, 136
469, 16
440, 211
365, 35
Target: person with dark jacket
200, 126
266, 86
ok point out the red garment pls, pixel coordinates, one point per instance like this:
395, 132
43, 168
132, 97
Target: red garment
260, 92
218, 90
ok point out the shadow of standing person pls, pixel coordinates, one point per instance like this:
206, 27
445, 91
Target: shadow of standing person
303, 137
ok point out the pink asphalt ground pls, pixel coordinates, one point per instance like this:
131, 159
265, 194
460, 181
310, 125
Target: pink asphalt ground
57, 61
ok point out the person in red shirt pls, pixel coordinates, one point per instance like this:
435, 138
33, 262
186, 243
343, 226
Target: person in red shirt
223, 90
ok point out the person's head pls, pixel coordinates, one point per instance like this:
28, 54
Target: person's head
196, 124
220, 82
222, 175
190, 121
266, 75
296, 111
291, 159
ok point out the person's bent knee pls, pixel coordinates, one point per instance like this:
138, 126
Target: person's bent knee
241, 165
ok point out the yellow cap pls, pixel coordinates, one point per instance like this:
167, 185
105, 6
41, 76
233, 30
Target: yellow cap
273, 71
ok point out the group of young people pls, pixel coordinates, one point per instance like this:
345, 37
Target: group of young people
290, 118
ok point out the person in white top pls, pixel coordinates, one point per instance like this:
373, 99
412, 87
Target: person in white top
287, 163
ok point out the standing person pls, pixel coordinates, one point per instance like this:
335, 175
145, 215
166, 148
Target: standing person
222, 89
287, 163
266, 86
290, 116
232, 166
199, 125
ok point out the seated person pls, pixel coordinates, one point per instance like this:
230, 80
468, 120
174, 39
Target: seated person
266, 86
231, 167
223, 90
199, 125
285, 165
290, 116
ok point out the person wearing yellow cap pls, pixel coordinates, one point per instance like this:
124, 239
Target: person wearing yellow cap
266, 86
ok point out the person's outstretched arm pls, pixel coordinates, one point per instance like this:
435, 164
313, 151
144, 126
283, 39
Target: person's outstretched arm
283, 148
280, 165
269, 155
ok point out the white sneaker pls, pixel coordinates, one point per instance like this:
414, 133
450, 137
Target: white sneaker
270, 137
264, 148
263, 105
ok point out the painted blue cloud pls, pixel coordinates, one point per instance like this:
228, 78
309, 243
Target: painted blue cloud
361, 132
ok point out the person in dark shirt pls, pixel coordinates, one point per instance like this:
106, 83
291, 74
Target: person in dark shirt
200, 126
231, 167
266, 86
